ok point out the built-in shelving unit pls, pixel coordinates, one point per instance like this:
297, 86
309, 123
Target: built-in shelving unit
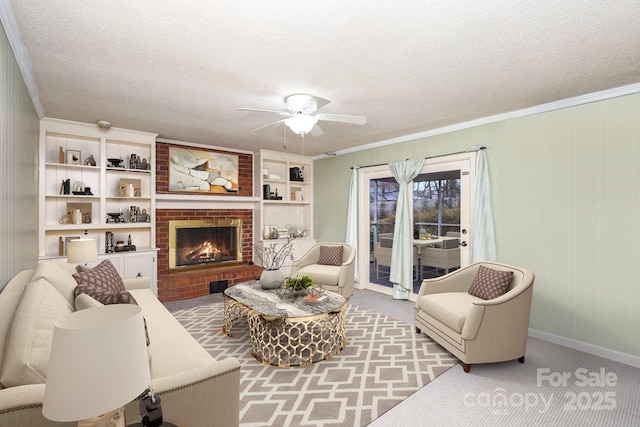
286, 197
78, 154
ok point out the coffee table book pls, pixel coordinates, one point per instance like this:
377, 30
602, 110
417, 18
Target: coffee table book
314, 299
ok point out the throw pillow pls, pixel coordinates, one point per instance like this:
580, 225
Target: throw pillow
103, 283
330, 255
84, 301
26, 357
58, 276
489, 283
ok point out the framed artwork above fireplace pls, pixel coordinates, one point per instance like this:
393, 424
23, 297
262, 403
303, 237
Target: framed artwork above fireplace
193, 170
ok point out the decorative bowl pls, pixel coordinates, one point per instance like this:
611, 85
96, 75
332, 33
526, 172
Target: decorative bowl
115, 162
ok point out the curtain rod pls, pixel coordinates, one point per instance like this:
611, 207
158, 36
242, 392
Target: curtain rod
475, 148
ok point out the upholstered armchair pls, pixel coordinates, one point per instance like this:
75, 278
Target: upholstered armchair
475, 329
335, 275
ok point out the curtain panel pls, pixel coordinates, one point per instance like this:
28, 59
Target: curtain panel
401, 273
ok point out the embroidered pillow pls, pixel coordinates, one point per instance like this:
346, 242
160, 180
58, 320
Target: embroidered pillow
330, 255
489, 283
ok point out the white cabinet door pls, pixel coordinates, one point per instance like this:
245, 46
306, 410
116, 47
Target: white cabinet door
141, 264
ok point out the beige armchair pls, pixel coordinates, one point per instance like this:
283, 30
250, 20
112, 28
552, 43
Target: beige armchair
473, 329
336, 278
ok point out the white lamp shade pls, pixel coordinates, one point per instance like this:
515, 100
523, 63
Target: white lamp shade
82, 251
301, 123
98, 362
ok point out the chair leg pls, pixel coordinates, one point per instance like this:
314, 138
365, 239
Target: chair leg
521, 359
466, 367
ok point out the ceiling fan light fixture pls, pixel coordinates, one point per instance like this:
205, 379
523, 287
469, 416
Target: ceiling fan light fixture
301, 123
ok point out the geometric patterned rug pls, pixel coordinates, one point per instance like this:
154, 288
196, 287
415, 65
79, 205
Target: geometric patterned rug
384, 362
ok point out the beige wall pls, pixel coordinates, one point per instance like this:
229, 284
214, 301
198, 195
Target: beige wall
19, 130
566, 195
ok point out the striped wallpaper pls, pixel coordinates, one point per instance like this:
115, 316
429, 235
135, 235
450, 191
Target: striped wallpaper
19, 133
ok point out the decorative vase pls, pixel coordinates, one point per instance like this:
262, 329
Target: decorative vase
266, 232
271, 279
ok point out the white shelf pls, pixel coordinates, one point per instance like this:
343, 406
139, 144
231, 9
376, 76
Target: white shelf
295, 208
104, 181
284, 202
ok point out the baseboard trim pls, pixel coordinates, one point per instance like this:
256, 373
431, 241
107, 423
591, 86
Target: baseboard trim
617, 356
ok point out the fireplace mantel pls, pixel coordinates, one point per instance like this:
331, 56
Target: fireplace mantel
195, 201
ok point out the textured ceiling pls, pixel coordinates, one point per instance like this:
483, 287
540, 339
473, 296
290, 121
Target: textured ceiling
180, 69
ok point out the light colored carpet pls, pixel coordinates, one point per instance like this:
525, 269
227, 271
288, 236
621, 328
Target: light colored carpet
384, 362
478, 398
596, 392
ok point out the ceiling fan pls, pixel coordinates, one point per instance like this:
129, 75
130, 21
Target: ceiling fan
300, 115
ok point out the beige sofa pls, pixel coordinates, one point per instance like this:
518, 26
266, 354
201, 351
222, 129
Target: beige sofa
473, 329
196, 389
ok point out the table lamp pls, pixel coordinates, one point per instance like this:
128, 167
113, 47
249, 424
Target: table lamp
98, 364
81, 251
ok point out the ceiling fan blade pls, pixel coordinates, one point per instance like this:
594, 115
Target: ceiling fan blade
342, 118
314, 104
259, 110
316, 130
268, 125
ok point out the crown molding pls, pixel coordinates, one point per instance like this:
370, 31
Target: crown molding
19, 52
542, 108
204, 146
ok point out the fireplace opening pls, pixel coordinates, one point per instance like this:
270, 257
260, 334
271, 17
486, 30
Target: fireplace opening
204, 243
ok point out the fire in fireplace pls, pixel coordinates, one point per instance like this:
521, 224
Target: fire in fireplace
204, 243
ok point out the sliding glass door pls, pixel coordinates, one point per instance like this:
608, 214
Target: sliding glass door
441, 220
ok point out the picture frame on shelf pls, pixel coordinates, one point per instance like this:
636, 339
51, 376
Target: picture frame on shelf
73, 157
66, 242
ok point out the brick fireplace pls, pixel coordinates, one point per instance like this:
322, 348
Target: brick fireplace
174, 286
194, 283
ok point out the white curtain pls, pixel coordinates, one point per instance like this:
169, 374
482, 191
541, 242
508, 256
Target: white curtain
352, 218
401, 274
483, 246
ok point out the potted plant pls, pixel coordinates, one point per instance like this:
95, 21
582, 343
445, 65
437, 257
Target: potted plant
299, 282
272, 256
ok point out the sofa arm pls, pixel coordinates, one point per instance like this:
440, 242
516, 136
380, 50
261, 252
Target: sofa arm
208, 395
136, 283
22, 406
